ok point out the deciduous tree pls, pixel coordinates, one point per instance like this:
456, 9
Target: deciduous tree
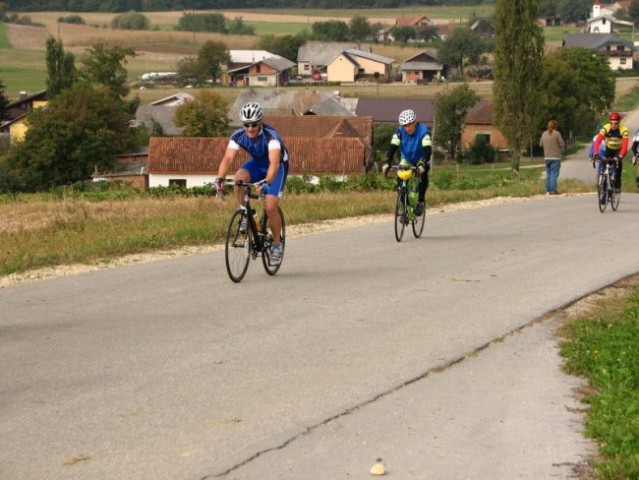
205, 116
283, 45
360, 28
576, 88
81, 129
213, 56
461, 48
104, 65
451, 109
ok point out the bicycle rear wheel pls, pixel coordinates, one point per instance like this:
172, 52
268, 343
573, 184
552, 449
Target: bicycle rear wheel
602, 193
418, 223
400, 215
237, 252
615, 197
266, 254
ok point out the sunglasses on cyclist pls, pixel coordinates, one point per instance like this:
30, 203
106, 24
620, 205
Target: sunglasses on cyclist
251, 125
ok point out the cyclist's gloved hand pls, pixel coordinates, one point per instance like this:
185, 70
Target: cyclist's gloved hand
219, 184
616, 158
421, 169
596, 157
265, 188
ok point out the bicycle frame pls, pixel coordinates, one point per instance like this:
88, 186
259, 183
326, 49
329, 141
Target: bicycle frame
606, 192
407, 193
254, 240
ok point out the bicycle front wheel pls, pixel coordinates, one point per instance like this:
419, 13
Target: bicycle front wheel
266, 254
418, 223
401, 216
237, 252
615, 197
602, 193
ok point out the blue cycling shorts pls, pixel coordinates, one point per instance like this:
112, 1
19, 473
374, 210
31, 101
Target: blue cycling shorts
257, 171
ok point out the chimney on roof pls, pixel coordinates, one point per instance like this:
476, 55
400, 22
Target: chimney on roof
23, 94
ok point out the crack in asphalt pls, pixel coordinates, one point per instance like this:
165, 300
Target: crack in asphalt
348, 411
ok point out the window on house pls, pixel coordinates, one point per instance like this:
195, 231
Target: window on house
262, 79
622, 60
307, 68
178, 182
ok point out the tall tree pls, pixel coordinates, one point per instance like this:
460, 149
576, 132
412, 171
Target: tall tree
451, 109
518, 67
104, 65
60, 67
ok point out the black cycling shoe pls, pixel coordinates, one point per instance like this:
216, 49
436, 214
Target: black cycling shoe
419, 209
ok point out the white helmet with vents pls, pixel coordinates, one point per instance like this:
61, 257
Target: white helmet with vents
251, 113
406, 117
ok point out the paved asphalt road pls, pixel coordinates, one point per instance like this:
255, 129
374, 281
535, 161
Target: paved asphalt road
424, 353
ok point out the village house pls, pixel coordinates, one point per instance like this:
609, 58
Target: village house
15, 124
314, 56
421, 68
618, 52
479, 122
353, 65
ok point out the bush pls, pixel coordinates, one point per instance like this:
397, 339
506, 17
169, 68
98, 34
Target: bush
130, 21
75, 19
481, 151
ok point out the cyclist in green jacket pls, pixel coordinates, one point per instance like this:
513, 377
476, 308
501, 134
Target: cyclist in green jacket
414, 142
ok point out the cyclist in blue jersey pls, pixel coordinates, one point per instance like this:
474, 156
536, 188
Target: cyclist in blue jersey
602, 148
268, 161
414, 142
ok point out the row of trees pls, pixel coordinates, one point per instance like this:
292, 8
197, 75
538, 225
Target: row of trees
162, 5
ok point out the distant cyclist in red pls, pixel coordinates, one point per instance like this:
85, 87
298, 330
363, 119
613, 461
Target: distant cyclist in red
616, 137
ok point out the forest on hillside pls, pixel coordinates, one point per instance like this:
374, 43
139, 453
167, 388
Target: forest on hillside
165, 5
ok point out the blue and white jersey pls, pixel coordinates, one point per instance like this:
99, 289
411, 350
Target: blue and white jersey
413, 147
268, 139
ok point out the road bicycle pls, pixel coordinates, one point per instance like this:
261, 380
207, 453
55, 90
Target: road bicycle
407, 194
606, 192
249, 235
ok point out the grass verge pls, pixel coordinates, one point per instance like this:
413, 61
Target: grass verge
603, 348
66, 227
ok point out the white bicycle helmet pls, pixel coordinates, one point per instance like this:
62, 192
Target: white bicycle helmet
406, 117
251, 113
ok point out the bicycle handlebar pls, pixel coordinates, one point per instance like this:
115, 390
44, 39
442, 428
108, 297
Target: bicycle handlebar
400, 167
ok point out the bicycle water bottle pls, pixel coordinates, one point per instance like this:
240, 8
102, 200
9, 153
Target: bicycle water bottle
256, 221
